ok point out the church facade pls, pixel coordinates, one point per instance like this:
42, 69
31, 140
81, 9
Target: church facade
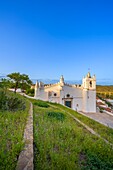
78, 97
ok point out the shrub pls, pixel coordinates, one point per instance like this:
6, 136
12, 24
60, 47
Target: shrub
41, 104
30, 92
57, 115
10, 103
15, 104
101, 110
3, 99
95, 163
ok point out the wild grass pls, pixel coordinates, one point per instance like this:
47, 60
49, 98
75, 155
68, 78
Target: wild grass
104, 131
41, 104
63, 144
12, 124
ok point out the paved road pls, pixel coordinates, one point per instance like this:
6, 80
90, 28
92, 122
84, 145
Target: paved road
103, 118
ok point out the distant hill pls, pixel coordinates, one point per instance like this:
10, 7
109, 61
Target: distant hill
53, 81
1, 77
104, 89
49, 81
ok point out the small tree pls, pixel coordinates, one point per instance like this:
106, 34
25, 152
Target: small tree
19, 80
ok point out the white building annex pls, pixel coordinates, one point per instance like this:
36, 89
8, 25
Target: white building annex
78, 97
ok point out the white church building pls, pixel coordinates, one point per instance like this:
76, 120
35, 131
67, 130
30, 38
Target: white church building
78, 97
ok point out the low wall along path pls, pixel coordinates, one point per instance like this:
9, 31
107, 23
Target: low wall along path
25, 161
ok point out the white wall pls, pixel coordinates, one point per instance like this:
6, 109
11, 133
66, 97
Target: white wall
73, 91
77, 104
82, 99
41, 94
89, 101
75, 94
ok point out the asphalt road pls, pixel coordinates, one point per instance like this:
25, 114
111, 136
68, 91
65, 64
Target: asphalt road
103, 118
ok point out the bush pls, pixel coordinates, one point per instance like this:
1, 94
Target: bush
41, 104
15, 104
101, 110
30, 92
10, 103
57, 115
3, 99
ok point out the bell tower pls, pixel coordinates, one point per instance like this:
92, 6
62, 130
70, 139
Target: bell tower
89, 82
89, 93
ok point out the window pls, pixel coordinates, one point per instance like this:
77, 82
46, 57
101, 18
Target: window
49, 93
68, 95
90, 83
55, 94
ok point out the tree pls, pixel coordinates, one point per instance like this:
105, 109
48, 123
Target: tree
4, 83
25, 82
19, 80
16, 79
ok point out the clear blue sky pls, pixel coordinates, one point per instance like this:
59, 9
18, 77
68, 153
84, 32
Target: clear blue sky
47, 38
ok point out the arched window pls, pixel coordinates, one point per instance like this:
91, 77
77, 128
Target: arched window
90, 83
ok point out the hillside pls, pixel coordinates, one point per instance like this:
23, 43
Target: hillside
13, 115
60, 142
105, 91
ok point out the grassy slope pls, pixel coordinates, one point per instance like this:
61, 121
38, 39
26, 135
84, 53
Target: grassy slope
62, 143
12, 126
104, 131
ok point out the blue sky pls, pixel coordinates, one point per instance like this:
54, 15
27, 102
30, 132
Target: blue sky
46, 38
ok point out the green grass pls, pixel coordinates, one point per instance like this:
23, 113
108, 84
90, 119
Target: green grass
104, 131
41, 104
61, 143
57, 115
12, 124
